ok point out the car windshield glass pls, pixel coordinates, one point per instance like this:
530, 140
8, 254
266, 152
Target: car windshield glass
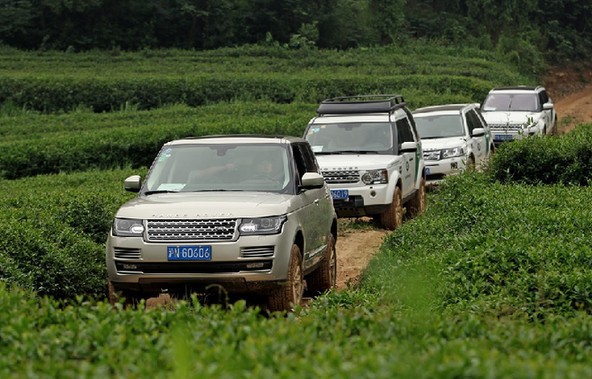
439, 126
510, 102
362, 137
221, 167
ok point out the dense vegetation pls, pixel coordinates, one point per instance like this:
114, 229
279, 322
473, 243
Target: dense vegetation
559, 29
493, 281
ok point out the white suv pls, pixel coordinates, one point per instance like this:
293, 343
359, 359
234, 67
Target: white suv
454, 137
517, 112
371, 157
250, 214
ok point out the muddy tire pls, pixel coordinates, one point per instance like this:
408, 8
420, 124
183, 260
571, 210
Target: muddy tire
115, 296
325, 277
289, 294
471, 166
392, 217
417, 204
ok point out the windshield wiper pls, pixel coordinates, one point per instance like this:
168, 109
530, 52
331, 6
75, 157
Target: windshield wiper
159, 191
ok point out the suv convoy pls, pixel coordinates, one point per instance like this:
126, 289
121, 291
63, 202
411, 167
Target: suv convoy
454, 137
251, 214
371, 157
517, 112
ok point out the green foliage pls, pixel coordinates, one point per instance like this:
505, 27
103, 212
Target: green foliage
52, 241
59, 82
493, 281
565, 160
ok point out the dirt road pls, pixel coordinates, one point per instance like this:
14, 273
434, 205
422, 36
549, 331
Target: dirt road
573, 103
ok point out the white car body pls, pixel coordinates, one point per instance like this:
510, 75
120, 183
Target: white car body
453, 136
533, 115
367, 150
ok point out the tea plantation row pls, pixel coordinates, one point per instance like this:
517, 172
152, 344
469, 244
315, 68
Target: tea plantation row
492, 281
57, 82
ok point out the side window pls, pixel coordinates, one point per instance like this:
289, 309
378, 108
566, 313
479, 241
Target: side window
310, 162
544, 98
473, 121
404, 131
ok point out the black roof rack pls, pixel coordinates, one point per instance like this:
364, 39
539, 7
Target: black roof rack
361, 104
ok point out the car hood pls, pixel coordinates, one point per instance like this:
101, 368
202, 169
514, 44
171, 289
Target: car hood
357, 161
208, 205
496, 118
442, 143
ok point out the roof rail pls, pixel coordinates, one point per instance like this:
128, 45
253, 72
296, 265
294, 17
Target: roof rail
361, 104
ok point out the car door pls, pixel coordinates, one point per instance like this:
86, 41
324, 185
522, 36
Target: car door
548, 114
478, 143
317, 212
410, 158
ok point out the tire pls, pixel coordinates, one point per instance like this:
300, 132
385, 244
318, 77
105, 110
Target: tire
392, 217
115, 296
471, 166
289, 294
417, 204
325, 277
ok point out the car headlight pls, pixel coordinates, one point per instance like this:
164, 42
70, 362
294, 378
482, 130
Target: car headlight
375, 177
432, 155
453, 152
128, 227
263, 225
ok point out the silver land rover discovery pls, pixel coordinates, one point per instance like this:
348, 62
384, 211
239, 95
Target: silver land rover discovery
250, 214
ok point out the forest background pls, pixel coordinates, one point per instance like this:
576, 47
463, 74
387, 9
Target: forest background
530, 31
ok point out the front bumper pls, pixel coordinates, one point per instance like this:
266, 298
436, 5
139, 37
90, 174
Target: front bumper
436, 171
245, 264
363, 200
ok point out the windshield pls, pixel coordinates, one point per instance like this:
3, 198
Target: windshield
440, 126
242, 167
365, 137
511, 102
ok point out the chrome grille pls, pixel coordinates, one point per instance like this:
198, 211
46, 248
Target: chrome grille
257, 252
341, 176
191, 230
506, 126
127, 253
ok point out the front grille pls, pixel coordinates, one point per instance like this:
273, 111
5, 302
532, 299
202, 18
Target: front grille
341, 176
191, 230
506, 126
127, 253
257, 252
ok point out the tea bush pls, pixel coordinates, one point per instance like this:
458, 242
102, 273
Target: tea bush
548, 160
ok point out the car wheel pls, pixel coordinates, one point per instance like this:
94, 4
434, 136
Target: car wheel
325, 277
418, 203
115, 296
289, 294
471, 164
392, 217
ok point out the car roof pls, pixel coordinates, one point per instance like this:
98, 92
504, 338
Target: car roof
517, 89
448, 108
238, 139
361, 104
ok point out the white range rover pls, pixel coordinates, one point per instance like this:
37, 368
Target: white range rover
516, 112
249, 214
454, 137
371, 157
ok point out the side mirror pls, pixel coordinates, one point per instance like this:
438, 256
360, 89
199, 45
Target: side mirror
312, 180
408, 147
547, 106
478, 132
133, 183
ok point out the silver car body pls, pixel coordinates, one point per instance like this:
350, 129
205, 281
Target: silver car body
202, 234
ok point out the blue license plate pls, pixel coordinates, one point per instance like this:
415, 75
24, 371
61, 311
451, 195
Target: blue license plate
340, 194
189, 253
503, 137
